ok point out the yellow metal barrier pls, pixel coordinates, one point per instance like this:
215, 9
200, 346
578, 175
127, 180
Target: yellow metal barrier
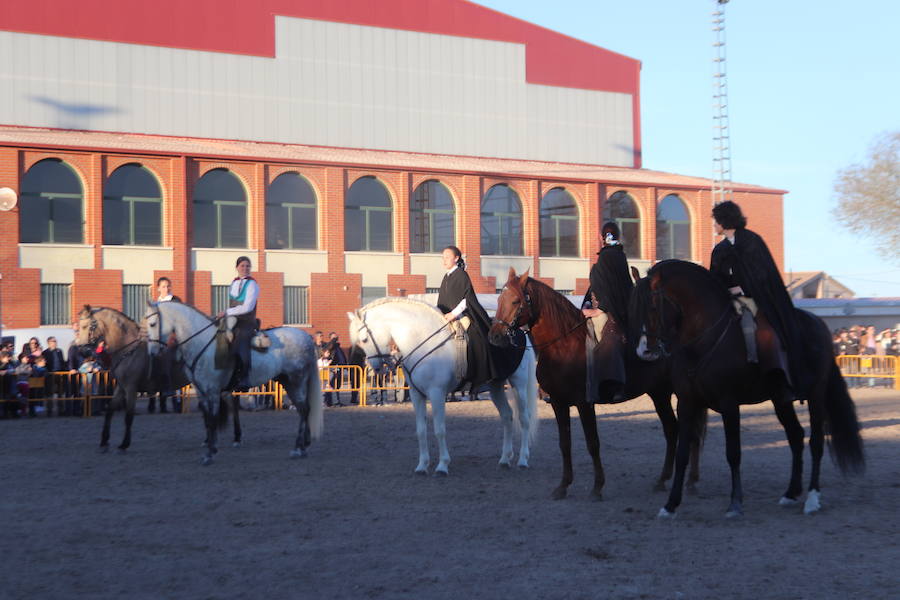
342, 378
382, 381
870, 366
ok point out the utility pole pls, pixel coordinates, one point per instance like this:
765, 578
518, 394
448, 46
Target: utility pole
721, 187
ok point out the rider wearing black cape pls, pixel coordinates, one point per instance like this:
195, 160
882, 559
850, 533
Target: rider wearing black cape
743, 264
609, 292
456, 298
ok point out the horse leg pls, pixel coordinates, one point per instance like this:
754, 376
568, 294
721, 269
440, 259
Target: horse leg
210, 415
592, 438
663, 406
731, 419
440, 433
296, 393
107, 422
498, 397
421, 431
564, 426
816, 448
130, 401
696, 446
235, 412
784, 409
686, 437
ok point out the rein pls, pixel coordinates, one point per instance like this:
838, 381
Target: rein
196, 359
514, 325
400, 361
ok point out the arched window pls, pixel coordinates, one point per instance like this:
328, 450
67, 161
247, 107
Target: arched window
431, 218
559, 224
501, 222
290, 213
621, 208
673, 229
51, 209
367, 217
132, 208
220, 211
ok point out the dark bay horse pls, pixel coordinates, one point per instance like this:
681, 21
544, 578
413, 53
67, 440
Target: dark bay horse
680, 304
558, 332
129, 365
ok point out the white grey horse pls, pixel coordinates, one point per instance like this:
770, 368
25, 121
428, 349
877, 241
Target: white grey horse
431, 363
290, 360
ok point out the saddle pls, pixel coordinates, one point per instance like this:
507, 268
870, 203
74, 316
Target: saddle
461, 347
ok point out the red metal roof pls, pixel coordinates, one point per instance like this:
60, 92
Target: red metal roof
296, 153
248, 27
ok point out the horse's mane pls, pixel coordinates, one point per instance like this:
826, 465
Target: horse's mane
553, 305
682, 269
190, 306
418, 304
120, 318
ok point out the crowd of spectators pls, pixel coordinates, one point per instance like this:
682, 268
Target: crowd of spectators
866, 342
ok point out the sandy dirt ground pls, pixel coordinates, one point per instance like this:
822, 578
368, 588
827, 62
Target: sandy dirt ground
353, 521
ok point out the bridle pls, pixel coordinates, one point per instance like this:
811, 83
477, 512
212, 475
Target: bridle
177, 343
93, 340
514, 329
704, 358
400, 361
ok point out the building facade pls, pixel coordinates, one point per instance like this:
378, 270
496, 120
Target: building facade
340, 149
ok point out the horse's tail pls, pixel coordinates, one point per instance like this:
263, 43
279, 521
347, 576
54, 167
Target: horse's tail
224, 402
314, 399
845, 443
530, 401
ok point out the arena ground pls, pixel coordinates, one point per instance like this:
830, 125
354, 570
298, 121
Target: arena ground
352, 521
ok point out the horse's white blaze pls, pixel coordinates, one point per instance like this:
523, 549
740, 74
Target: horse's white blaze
431, 372
813, 502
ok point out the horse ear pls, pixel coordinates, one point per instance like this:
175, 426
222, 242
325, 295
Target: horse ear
635, 274
87, 308
351, 316
523, 278
512, 274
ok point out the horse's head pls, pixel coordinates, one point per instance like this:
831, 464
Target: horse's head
156, 329
374, 339
650, 316
87, 328
513, 310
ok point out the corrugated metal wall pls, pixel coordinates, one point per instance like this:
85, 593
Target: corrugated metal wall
330, 84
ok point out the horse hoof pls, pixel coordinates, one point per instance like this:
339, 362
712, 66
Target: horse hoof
236, 444
504, 465
441, 472
813, 503
734, 513
523, 466
690, 489
204, 444
206, 461
102, 449
785, 501
421, 471
121, 451
664, 514
595, 496
558, 494
660, 486
298, 453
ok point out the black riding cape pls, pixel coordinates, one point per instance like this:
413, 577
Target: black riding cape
486, 362
749, 264
611, 284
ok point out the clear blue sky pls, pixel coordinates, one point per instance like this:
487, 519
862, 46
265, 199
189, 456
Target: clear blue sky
811, 84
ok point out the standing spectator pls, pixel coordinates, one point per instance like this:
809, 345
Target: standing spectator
338, 358
7, 382
56, 363
21, 389
357, 358
166, 357
320, 344
75, 357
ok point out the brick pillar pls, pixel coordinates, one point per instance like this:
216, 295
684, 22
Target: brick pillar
331, 296
270, 307
256, 214
97, 287
404, 285
202, 294
178, 231
332, 214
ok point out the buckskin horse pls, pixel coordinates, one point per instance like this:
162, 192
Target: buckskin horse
680, 305
558, 334
129, 364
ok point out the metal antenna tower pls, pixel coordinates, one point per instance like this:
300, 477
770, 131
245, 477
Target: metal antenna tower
721, 187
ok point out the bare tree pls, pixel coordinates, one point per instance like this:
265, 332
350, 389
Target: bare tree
868, 195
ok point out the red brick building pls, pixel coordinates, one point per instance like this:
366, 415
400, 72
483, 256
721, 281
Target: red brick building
338, 148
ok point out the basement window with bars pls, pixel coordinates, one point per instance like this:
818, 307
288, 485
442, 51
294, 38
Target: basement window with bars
296, 302
219, 298
56, 303
134, 300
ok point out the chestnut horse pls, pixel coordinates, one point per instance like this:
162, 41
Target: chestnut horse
680, 304
558, 331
